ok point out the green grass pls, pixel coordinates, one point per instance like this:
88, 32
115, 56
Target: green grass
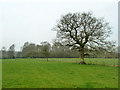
106, 61
36, 73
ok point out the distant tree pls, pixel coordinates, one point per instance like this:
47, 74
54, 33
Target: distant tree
80, 30
45, 51
57, 50
112, 51
18, 54
29, 50
25, 45
11, 51
118, 52
1, 54
61, 51
4, 52
24, 49
3, 48
39, 47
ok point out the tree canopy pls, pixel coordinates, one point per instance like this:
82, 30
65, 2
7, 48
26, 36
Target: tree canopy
81, 30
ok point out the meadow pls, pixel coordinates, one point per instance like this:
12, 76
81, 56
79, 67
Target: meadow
59, 73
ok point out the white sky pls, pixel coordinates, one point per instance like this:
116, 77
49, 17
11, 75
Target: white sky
32, 21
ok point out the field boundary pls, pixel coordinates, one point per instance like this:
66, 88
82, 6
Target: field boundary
90, 63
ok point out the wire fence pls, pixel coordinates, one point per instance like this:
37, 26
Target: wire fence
89, 61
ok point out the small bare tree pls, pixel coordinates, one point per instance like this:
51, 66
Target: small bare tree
45, 51
80, 30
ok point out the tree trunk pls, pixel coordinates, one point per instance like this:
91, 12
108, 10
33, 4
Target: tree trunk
82, 56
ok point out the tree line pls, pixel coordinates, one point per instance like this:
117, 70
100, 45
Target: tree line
55, 50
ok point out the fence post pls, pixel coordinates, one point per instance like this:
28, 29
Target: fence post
96, 62
90, 62
114, 65
103, 63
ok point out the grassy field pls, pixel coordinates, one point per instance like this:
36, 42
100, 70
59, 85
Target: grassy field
38, 73
101, 61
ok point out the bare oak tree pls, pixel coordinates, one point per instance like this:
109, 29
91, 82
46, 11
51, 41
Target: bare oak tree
80, 30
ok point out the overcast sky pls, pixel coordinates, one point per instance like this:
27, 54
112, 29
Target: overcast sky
32, 21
